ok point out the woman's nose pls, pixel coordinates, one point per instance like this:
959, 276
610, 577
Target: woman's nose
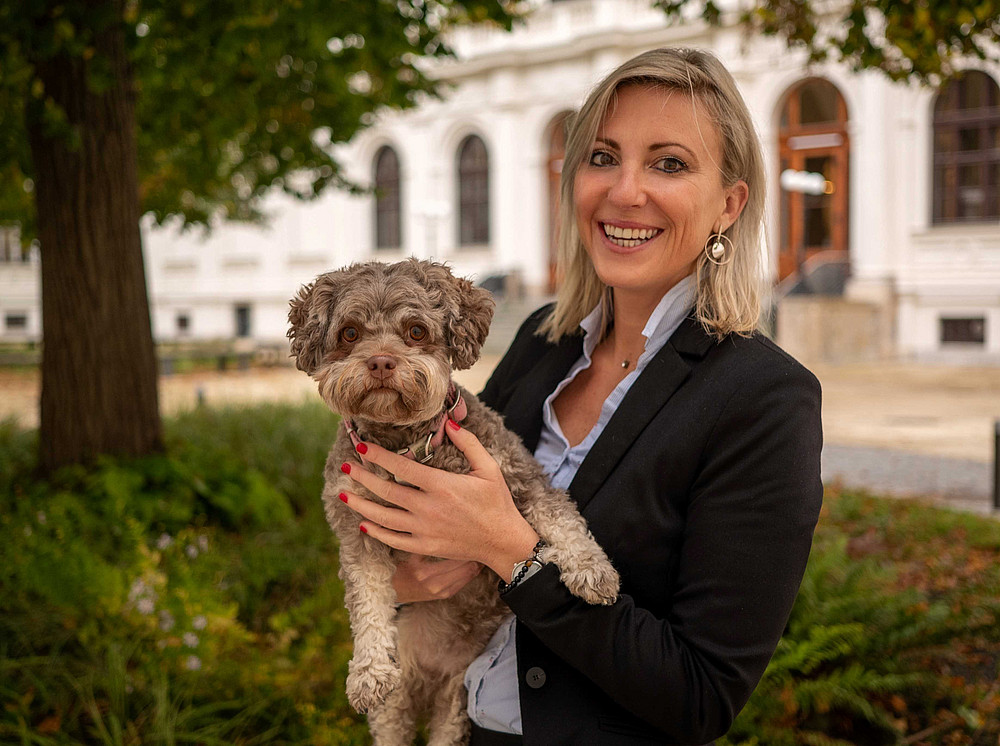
628, 189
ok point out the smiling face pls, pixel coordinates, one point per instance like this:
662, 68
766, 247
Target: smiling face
650, 194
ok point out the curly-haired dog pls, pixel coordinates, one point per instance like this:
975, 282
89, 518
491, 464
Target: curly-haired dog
381, 340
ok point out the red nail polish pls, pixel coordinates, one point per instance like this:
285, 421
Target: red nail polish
453, 425
363, 529
342, 496
346, 468
361, 448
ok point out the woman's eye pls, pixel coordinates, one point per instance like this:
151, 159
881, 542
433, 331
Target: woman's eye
417, 332
671, 165
349, 334
601, 158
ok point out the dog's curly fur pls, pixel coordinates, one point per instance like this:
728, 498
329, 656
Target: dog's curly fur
412, 663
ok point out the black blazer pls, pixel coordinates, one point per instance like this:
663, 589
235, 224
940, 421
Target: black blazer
704, 489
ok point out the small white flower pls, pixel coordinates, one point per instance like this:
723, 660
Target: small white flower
191, 551
199, 622
27, 531
139, 588
41, 517
146, 606
203, 543
191, 639
193, 663
164, 541
166, 620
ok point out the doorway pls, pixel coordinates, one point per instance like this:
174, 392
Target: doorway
812, 140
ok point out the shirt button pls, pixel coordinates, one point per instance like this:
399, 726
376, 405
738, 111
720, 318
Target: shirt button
535, 678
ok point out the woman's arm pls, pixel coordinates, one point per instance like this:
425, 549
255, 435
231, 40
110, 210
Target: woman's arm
748, 530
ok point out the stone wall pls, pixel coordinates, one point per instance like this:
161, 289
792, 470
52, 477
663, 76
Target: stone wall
823, 329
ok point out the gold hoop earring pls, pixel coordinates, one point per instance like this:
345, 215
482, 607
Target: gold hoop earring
718, 253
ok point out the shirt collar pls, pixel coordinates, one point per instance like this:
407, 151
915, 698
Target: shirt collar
662, 322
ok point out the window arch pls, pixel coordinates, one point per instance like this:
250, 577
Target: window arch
388, 208
967, 150
473, 192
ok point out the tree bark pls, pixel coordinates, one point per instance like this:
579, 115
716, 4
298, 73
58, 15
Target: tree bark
98, 360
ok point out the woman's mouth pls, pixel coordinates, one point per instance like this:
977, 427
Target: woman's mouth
628, 238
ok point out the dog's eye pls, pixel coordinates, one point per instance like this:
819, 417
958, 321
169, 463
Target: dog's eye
349, 334
417, 332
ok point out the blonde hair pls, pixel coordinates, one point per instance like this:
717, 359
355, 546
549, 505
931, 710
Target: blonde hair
728, 296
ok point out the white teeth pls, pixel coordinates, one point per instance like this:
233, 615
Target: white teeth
628, 237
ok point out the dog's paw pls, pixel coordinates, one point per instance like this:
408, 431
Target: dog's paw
597, 584
368, 686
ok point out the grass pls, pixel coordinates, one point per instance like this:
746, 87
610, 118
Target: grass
193, 598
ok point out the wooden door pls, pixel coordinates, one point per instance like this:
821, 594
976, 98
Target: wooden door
813, 138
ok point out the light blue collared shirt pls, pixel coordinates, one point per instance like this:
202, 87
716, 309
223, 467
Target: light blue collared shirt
491, 679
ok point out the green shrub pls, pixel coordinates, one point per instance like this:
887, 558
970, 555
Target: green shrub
282, 442
193, 598
176, 598
897, 597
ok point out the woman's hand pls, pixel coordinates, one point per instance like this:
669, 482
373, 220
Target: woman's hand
454, 516
427, 579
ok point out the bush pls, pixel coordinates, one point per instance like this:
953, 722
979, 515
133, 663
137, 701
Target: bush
894, 636
184, 598
193, 598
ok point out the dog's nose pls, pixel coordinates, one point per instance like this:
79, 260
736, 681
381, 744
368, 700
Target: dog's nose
381, 366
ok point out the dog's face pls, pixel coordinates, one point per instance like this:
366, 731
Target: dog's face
381, 339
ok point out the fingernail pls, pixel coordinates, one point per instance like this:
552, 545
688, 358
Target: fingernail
363, 529
453, 425
342, 496
361, 448
346, 468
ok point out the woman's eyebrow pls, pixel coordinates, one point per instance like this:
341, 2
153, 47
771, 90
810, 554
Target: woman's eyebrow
661, 145
655, 146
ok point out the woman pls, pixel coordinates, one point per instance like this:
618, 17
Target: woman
690, 442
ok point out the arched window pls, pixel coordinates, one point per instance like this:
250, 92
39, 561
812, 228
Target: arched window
967, 150
388, 212
473, 192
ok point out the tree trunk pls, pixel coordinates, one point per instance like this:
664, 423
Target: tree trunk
98, 360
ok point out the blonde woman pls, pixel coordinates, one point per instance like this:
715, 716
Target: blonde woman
690, 441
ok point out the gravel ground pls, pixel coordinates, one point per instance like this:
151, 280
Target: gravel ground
895, 429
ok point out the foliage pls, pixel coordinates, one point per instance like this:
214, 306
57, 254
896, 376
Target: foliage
894, 633
923, 40
233, 98
138, 607
135, 607
237, 98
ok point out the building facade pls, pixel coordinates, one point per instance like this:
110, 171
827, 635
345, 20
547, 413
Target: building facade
909, 209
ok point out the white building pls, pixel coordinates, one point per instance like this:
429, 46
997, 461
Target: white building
913, 214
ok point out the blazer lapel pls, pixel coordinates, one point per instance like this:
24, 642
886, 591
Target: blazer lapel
523, 413
659, 380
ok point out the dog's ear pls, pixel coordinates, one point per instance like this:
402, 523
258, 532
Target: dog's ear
469, 313
308, 318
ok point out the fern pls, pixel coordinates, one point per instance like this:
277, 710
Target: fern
839, 658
